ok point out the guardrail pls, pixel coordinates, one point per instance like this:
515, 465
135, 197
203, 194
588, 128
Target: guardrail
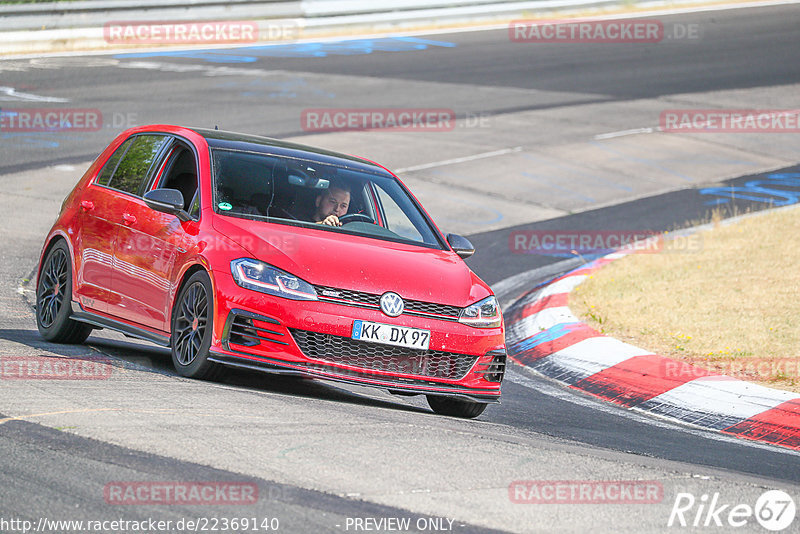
65, 26
96, 13
89, 14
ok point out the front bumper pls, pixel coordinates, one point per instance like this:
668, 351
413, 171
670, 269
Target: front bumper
313, 339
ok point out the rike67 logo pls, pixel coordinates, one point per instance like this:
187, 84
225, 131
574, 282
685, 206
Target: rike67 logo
774, 510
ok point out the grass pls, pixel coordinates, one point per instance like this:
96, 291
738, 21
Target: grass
732, 307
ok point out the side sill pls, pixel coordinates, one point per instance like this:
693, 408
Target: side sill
79, 314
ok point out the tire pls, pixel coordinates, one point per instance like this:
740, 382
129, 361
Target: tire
54, 298
454, 407
192, 328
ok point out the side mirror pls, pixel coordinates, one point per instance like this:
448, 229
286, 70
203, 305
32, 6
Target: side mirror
461, 245
166, 201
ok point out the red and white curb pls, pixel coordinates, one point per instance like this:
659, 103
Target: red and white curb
544, 335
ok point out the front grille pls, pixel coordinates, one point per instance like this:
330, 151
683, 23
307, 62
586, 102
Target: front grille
370, 300
378, 357
355, 297
431, 308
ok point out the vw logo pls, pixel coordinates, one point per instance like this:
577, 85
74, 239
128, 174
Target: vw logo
392, 304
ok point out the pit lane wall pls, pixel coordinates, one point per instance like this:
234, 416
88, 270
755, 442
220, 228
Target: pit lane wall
544, 335
79, 25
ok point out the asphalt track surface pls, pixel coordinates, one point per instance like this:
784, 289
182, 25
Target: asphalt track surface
752, 48
48, 471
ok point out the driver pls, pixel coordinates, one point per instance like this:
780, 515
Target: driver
331, 204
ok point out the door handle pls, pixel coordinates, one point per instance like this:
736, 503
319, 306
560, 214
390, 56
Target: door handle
128, 218
87, 205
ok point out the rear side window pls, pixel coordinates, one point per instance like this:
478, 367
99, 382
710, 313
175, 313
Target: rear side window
133, 167
113, 161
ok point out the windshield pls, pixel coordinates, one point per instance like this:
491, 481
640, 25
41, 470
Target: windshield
308, 193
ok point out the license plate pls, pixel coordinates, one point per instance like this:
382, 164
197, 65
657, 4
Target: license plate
389, 334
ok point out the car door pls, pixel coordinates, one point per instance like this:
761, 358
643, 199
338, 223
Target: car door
96, 232
148, 242
130, 177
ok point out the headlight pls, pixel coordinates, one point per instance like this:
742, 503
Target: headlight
259, 276
483, 314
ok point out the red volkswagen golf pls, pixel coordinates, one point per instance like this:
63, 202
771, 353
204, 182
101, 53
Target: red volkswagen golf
243, 251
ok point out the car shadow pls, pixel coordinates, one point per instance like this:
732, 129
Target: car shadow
158, 359
308, 387
32, 339
144, 357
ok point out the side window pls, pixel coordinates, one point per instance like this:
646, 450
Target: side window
396, 219
135, 164
243, 183
113, 161
181, 173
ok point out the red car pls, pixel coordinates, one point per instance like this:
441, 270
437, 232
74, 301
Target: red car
243, 251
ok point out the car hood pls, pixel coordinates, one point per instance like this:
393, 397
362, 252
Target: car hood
358, 263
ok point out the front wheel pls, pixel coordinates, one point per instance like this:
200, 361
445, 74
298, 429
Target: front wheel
454, 407
192, 327
54, 297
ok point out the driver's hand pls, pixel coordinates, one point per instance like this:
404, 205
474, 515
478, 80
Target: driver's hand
331, 220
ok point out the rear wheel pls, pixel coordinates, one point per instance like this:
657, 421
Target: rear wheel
192, 327
455, 407
54, 297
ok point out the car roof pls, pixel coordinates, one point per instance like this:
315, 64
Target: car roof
268, 145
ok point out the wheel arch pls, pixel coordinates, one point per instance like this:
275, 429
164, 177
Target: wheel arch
188, 273
199, 366
52, 241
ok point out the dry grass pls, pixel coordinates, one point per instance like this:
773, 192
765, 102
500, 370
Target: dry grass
733, 307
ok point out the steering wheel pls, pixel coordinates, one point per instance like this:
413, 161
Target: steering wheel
356, 217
